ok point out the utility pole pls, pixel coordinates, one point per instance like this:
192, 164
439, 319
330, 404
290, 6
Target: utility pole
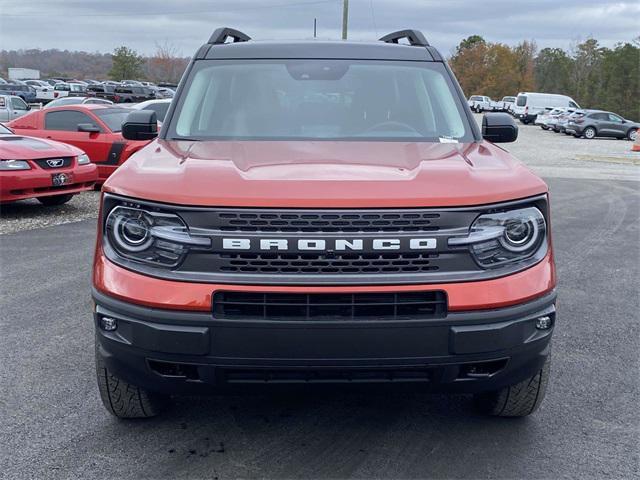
345, 18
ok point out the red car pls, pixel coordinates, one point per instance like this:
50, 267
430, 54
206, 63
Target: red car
93, 128
50, 171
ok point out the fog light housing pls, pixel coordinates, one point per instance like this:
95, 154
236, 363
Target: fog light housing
544, 323
108, 324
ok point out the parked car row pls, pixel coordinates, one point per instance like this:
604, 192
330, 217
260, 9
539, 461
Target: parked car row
34, 165
44, 91
587, 123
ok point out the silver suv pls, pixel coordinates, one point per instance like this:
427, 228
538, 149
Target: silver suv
601, 124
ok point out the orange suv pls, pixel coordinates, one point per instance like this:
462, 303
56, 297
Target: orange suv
322, 213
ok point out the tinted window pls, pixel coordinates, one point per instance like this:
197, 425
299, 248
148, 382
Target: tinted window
598, 116
123, 90
113, 117
615, 118
18, 104
522, 100
320, 99
67, 120
60, 86
160, 109
573, 104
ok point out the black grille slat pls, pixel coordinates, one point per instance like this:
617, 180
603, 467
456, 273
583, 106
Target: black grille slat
318, 263
42, 162
326, 222
329, 306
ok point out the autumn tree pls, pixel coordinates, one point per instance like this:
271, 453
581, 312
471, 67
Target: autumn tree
470, 64
127, 64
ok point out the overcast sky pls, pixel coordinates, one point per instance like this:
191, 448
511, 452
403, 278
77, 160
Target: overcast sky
93, 25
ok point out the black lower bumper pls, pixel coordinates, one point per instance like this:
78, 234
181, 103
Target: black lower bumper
192, 352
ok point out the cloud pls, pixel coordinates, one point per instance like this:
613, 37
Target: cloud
93, 25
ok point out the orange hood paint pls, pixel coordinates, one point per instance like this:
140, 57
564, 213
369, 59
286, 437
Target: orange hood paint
323, 174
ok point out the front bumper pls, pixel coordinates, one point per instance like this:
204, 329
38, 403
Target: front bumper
184, 352
23, 184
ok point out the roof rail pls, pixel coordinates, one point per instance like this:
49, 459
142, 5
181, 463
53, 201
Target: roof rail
415, 37
220, 36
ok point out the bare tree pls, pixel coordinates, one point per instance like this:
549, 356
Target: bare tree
167, 64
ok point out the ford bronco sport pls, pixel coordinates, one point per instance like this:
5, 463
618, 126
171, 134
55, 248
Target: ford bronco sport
322, 213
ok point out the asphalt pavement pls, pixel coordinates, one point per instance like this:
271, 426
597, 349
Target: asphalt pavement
52, 424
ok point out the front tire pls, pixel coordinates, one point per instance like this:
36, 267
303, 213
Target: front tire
632, 134
589, 133
517, 400
54, 200
123, 400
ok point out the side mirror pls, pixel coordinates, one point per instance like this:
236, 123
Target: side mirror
499, 128
140, 125
88, 127
28, 107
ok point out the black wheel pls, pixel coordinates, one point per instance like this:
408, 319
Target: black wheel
544, 127
124, 400
589, 133
632, 134
517, 400
55, 199
576, 135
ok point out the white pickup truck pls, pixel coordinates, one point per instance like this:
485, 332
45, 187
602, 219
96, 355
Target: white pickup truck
44, 91
12, 107
480, 103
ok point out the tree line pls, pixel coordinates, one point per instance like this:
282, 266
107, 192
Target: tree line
165, 65
596, 77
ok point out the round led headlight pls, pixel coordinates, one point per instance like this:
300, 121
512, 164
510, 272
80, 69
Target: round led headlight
500, 238
520, 234
132, 233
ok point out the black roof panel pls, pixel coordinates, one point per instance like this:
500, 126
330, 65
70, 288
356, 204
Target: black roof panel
318, 49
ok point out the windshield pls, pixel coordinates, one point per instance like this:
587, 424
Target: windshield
319, 100
112, 117
522, 101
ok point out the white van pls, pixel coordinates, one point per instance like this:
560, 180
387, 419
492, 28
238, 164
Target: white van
529, 104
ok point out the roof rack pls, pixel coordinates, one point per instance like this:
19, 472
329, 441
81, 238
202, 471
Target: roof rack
220, 36
415, 37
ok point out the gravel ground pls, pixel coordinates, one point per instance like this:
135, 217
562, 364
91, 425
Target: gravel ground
548, 154
31, 214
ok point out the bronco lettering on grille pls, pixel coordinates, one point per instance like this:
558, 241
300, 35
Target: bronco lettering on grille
337, 244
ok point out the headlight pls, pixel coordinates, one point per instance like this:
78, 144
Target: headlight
505, 237
83, 159
14, 165
154, 238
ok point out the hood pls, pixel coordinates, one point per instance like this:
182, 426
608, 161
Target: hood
18, 147
323, 174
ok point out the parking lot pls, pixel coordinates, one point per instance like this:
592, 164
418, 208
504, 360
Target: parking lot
52, 424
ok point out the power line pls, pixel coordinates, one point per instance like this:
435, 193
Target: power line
178, 12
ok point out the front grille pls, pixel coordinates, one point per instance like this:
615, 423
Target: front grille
319, 263
42, 163
329, 306
326, 222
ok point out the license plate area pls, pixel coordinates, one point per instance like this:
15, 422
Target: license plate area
60, 179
